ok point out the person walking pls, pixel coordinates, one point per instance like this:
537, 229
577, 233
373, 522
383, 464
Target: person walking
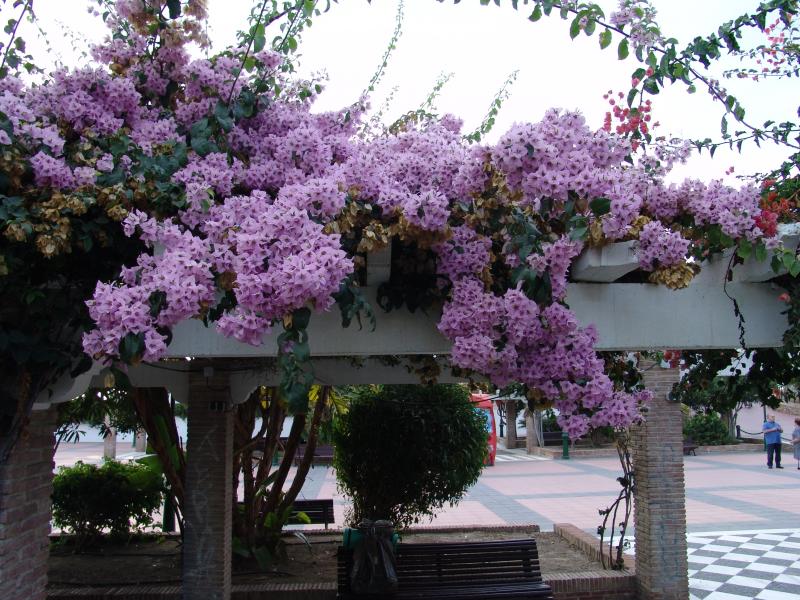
772, 438
796, 440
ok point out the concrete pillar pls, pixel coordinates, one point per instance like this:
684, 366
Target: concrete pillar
511, 424
209, 489
109, 441
26, 484
660, 497
140, 442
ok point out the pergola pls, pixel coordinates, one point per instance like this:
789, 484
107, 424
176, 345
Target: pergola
628, 316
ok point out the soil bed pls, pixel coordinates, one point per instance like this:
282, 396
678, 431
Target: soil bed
154, 562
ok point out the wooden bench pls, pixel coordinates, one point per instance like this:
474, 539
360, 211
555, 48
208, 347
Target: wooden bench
552, 438
505, 569
318, 511
323, 454
689, 446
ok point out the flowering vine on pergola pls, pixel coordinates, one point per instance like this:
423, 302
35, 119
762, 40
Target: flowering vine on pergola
257, 212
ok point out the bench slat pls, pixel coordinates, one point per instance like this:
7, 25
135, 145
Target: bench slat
318, 510
505, 569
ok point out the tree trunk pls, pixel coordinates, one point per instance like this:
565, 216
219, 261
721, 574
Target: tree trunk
109, 440
152, 406
18, 391
308, 457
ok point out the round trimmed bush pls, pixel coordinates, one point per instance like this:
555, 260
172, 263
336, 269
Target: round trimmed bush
115, 497
403, 451
707, 430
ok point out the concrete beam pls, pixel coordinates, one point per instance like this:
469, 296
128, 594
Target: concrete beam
627, 317
605, 264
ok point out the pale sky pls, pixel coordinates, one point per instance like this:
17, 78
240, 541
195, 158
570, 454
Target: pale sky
481, 46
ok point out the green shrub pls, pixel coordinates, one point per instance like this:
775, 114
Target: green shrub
707, 430
403, 451
118, 497
549, 422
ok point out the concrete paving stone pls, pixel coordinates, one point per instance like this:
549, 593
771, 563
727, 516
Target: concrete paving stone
733, 541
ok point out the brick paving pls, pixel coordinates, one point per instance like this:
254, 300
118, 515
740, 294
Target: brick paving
729, 498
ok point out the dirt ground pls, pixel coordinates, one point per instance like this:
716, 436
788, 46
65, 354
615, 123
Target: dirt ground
153, 562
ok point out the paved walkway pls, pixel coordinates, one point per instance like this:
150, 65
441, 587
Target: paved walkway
743, 520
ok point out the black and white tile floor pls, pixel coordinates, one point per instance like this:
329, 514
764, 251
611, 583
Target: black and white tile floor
744, 565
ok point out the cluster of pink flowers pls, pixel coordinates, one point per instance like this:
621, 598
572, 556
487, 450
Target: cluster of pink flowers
558, 155
180, 270
660, 247
253, 226
465, 253
639, 17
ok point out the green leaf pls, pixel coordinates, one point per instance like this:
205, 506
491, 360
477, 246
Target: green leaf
157, 301
600, 206
605, 39
222, 113
302, 518
776, 264
259, 42
622, 50
745, 249
131, 347
575, 27
300, 318
761, 252
536, 14
263, 557
578, 233
651, 86
301, 351
794, 270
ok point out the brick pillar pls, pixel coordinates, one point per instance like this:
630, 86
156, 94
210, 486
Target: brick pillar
209, 472
26, 484
660, 497
511, 424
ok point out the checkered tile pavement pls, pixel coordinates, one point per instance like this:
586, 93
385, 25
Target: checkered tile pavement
744, 565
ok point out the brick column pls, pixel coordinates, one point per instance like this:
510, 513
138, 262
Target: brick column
660, 497
26, 484
209, 472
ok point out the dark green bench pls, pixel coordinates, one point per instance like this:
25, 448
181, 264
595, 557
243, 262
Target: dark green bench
318, 511
689, 446
503, 569
323, 454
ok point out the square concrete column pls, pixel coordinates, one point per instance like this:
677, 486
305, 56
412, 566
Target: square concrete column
26, 484
208, 503
660, 495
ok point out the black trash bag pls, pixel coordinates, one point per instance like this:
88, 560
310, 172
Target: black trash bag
374, 568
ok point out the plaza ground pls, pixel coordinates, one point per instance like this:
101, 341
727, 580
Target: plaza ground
743, 520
